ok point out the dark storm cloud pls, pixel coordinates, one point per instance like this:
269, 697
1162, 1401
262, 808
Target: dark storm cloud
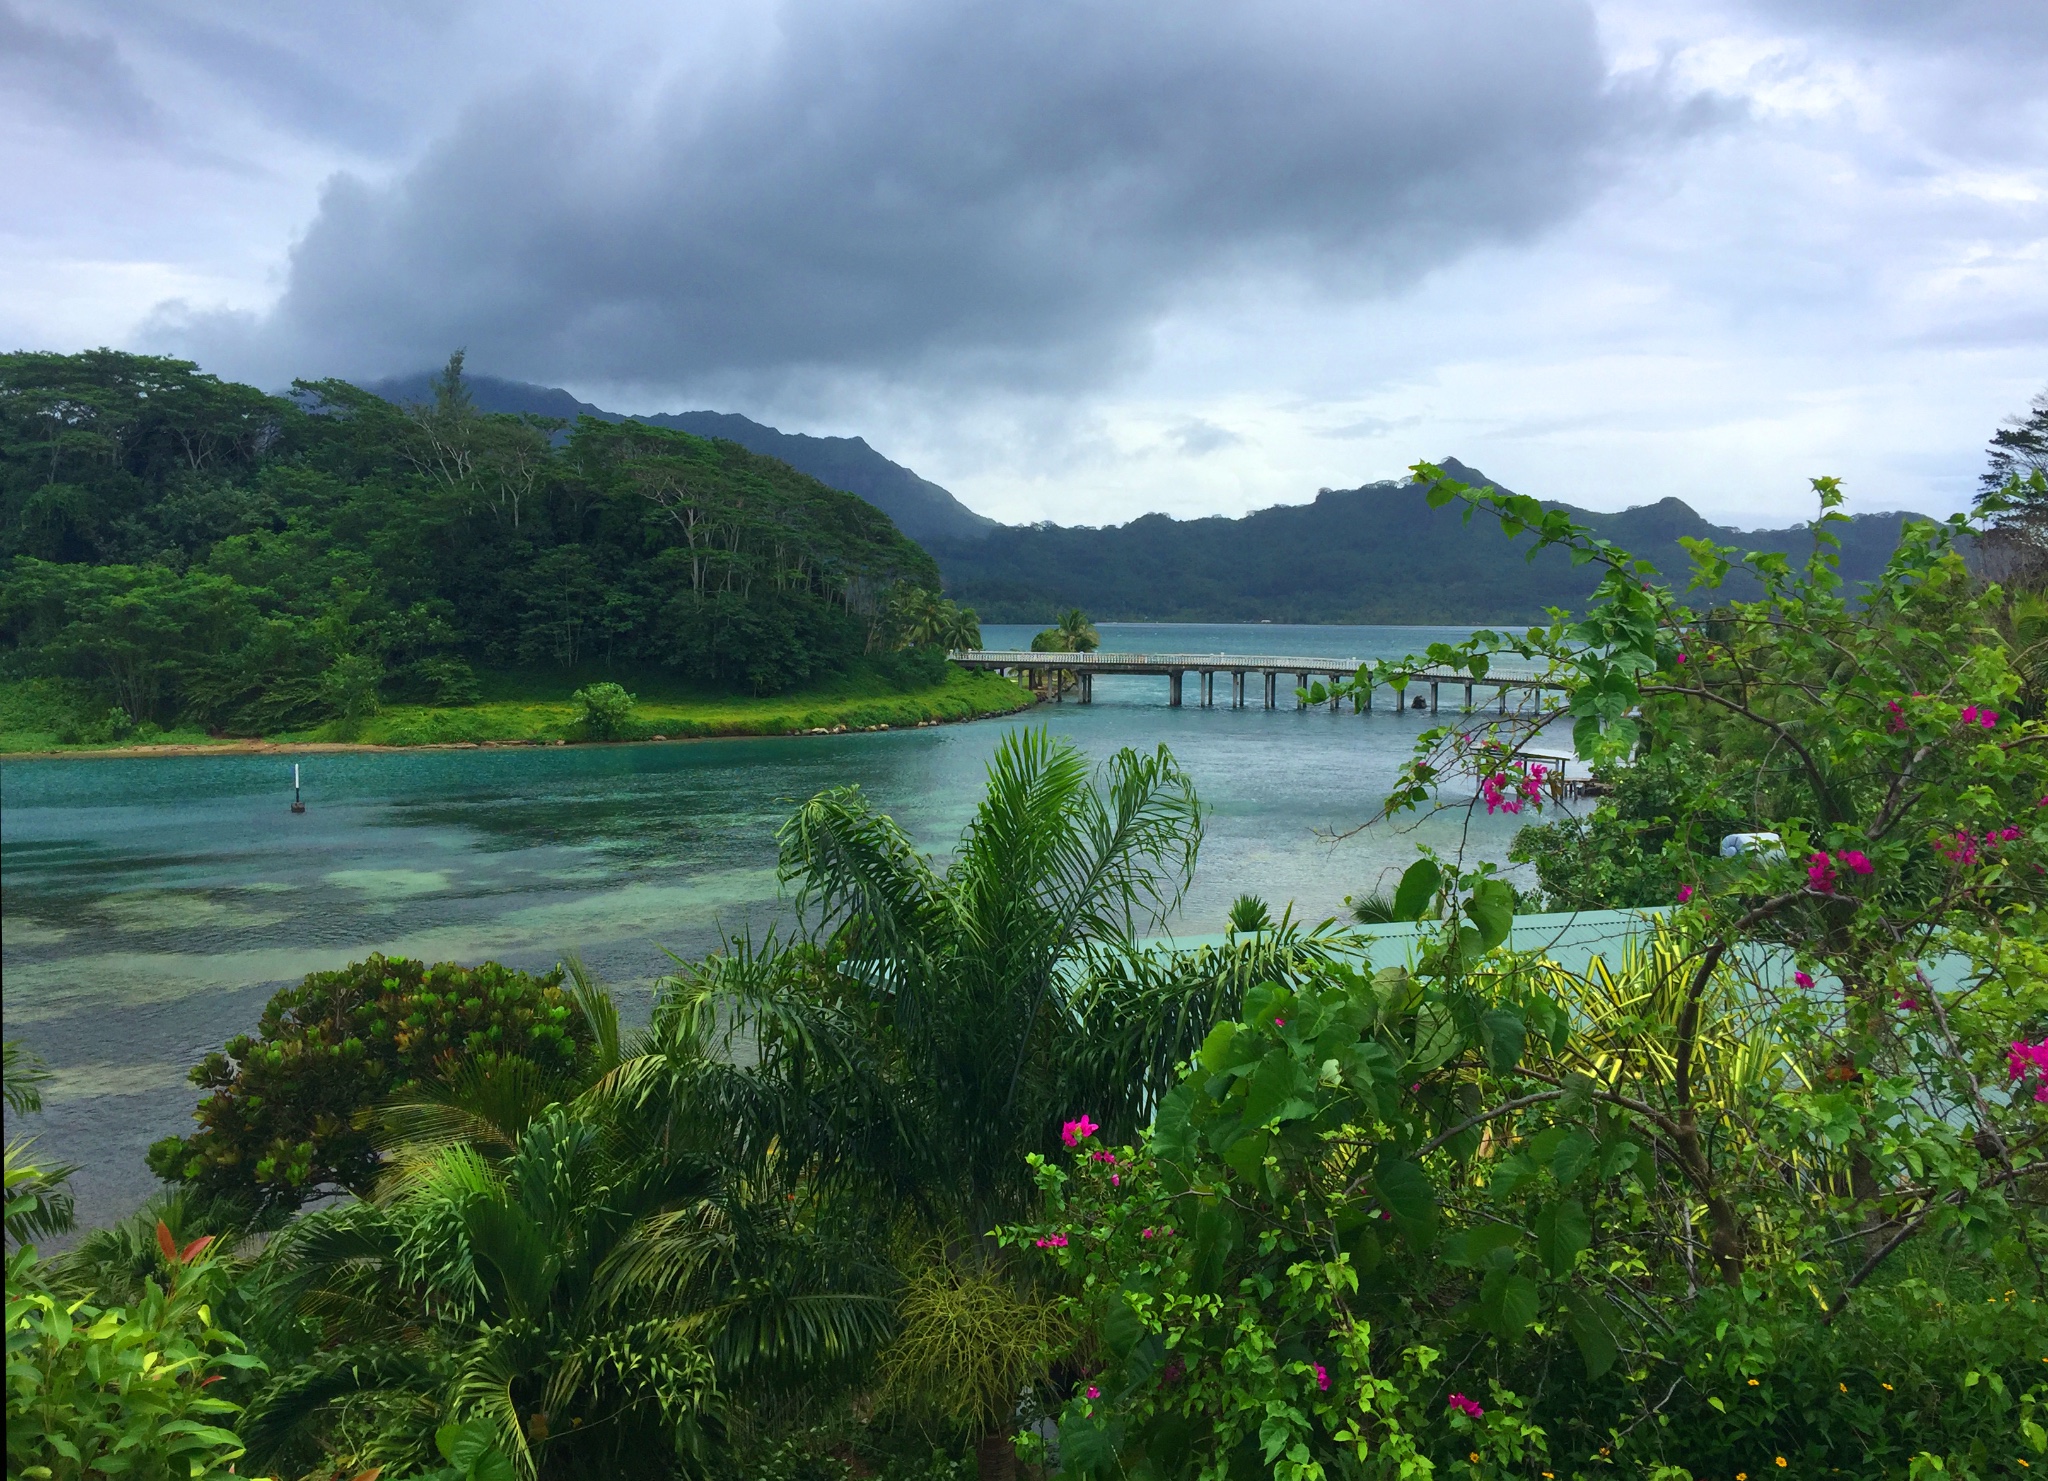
997, 192
70, 76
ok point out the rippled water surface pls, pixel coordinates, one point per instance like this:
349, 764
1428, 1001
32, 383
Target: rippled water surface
151, 906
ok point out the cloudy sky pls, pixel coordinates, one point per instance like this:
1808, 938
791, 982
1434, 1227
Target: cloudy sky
1082, 259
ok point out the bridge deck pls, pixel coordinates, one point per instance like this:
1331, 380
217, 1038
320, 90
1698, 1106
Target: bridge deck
1173, 667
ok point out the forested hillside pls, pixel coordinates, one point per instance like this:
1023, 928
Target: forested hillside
920, 508
1372, 554
184, 548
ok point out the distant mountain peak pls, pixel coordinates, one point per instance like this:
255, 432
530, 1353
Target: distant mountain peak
920, 508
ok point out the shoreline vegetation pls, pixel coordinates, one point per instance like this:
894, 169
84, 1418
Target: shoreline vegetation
524, 712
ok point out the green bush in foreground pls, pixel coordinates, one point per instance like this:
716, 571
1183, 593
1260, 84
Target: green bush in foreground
114, 1391
1765, 1198
286, 1114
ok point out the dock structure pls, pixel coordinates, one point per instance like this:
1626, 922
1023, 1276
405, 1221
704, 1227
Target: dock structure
1424, 691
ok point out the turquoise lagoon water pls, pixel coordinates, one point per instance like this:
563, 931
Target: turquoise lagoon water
151, 906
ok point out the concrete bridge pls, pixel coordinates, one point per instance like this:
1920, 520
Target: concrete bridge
1175, 667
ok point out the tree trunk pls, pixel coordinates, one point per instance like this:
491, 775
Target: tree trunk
995, 1458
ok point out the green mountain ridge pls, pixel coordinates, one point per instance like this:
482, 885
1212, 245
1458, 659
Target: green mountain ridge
1373, 554
1376, 553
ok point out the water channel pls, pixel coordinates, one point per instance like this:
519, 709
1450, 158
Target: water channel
152, 905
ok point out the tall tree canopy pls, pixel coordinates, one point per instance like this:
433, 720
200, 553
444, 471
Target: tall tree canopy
197, 549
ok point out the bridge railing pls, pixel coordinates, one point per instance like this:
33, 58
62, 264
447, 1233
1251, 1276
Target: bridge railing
1218, 662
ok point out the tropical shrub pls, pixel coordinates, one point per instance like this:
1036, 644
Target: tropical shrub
285, 1117
606, 710
95, 1391
1768, 1198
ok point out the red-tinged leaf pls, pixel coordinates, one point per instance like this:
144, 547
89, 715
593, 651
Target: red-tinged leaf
192, 1250
165, 1243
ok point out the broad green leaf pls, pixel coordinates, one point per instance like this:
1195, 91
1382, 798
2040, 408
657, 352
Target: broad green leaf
1122, 1328
1562, 1231
1501, 1031
1367, 1062
1247, 1157
1492, 909
1593, 1326
1404, 1188
1279, 1078
1437, 1038
1507, 1301
1574, 1154
1617, 1157
1216, 1047
1087, 1447
1417, 891
1173, 1138
1472, 1246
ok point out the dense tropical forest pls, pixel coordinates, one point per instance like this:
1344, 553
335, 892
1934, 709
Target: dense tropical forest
918, 507
957, 1178
180, 550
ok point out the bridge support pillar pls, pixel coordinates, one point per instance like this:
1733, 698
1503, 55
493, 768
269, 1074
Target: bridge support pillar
1503, 699
1468, 696
1087, 687
1300, 682
1334, 698
1237, 689
1272, 690
1433, 687
1368, 699
1208, 689
1173, 679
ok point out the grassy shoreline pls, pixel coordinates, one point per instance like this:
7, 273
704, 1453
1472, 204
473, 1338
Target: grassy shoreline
852, 703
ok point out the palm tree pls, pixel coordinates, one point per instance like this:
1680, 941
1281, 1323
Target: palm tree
1078, 632
942, 1008
961, 628
917, 617
933, 1025
594, 1273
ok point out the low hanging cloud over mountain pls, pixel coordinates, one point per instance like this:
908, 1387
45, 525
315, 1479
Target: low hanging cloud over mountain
990, 190
1083, 260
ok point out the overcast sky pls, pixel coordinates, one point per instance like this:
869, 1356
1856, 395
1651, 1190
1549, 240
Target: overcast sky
1082, 259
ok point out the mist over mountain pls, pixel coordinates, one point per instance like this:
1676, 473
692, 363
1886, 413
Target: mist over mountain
920, 508
1377, 553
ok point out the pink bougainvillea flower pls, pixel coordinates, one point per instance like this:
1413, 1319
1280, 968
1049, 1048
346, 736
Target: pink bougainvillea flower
1094, 1392
1052, 1242
1684, 893
1855, 860
1962, 849
1681, 658
1279, 1023
1145, 1234
1898, 720
1466, 1406
1322, 1378
1820, 873
1077, 1131
1804, 979
1116, 1180
1909, 1004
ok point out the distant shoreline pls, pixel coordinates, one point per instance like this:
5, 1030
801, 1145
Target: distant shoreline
293, 748
516, 725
